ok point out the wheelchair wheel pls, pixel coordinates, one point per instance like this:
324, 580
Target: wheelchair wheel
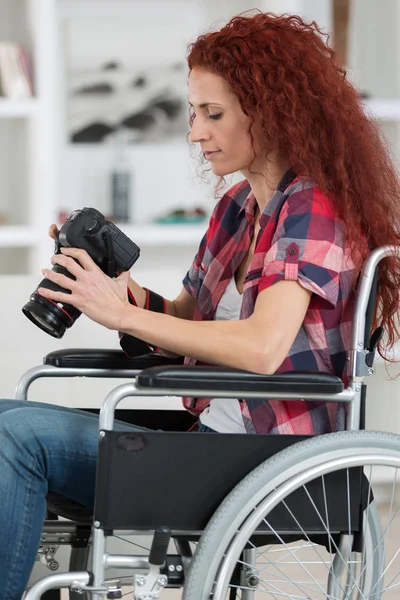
242, 554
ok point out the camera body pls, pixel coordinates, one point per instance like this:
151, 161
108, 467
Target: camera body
88, 229
108, 247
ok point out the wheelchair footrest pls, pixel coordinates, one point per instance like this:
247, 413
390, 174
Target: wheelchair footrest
221, 378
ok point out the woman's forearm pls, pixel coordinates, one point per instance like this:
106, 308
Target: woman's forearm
226, 343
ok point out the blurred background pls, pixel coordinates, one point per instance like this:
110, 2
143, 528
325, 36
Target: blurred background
93, 112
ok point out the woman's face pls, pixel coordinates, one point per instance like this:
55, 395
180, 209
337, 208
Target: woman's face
218, 123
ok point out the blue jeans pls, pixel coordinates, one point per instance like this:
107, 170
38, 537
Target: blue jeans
205, 429
42, 447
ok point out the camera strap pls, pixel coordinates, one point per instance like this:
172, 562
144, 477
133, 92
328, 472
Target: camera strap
111, 256
131, 345
155, 302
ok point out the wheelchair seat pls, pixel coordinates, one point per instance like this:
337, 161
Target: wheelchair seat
250, 449
68, 509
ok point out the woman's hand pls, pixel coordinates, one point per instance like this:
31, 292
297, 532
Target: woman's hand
137, 291
96, 295
53, 231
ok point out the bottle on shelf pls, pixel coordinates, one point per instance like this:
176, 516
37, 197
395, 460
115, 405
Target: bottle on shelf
121, 179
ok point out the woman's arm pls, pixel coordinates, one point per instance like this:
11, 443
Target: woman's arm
182, 307
259, 343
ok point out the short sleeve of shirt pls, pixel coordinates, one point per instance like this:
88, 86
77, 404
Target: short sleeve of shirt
308, 246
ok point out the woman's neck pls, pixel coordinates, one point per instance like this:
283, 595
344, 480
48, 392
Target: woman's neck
264, 182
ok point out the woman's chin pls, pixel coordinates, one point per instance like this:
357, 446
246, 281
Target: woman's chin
220, 171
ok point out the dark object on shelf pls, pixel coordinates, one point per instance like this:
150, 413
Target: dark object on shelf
113, 65
121, 178
93, 133
142, 120
160, 109
172, 107
98, 88
139, 82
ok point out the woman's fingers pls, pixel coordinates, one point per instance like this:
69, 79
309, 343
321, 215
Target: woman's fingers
68, 263
56, 296
82, 257
62, 280
53, 231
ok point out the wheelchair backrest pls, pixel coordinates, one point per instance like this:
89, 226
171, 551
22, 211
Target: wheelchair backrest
371, 307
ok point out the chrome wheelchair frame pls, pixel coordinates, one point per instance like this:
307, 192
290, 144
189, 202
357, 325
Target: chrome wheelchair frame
178, 380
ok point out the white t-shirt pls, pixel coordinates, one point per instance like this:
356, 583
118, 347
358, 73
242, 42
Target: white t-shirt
223, 414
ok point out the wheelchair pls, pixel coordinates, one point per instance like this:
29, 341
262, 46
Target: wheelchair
232, 515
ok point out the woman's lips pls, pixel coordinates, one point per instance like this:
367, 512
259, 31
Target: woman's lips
209, 155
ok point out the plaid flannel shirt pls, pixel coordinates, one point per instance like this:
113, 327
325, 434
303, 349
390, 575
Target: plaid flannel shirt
301, 239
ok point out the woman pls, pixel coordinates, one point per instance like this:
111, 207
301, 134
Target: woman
272, 286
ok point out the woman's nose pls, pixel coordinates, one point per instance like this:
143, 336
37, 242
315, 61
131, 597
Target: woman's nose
199, 131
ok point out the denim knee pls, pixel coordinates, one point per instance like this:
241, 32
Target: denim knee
18, 437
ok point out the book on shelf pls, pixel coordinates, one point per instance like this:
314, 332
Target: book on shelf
16, 81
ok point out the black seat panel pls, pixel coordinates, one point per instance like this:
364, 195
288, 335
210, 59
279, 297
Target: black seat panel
192, 473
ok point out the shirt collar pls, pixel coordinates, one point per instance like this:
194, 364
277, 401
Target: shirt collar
250, 201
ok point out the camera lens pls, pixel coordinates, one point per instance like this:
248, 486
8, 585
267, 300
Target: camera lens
51, 316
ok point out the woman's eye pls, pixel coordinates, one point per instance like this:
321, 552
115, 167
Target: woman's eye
215, 117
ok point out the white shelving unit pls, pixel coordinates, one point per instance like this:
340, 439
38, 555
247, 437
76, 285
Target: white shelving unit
18, 237
165, 235
14, 110
385, 109
28, 134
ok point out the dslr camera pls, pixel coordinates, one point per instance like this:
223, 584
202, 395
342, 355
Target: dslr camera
109, 248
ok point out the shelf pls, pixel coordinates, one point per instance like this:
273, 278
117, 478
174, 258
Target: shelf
10, 109
165, 235
142, 235
385, 109
17, 236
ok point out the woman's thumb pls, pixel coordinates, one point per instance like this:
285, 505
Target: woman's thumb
123, 277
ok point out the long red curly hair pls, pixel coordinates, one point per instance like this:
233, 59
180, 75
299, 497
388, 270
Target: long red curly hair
291, 82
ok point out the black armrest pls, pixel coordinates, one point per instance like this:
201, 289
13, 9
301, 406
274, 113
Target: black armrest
90, 358
222, 379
